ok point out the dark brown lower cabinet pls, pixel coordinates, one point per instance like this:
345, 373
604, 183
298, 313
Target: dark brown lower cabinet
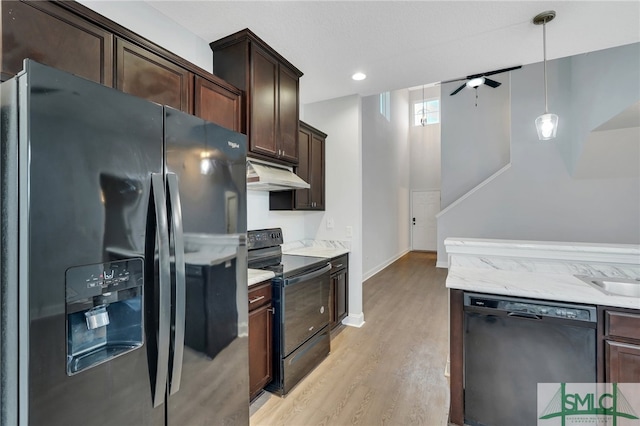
618, 349
260, 338
339, 290
621, 346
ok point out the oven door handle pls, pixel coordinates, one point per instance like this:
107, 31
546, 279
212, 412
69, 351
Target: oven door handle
309, 276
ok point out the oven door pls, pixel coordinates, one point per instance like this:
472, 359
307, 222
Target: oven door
305, 307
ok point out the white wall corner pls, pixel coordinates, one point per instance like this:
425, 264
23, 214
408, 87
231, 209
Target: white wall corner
382, 266
354, 320
442, 264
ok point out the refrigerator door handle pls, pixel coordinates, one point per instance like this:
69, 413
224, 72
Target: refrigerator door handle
164, 286
180, 281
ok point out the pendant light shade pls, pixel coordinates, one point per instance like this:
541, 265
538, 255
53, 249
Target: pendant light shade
547, 126
547, 123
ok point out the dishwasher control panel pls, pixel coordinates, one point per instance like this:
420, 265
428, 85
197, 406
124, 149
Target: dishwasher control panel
531, 308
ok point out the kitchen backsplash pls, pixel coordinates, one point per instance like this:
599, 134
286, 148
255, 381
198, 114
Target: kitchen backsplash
260, 217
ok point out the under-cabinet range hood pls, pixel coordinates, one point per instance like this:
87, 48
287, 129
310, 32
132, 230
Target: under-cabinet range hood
268, 177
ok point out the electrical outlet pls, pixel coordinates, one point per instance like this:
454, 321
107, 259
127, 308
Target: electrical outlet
349, 231
330, 223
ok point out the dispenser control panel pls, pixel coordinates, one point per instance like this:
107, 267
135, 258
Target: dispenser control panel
93, 280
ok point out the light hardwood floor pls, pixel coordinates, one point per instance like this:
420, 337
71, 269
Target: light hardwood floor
390, 371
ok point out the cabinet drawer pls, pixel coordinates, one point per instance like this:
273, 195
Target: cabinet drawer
340, 262
622, 324
259, 295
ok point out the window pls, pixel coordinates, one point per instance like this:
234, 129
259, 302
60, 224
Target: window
385, 105
427, 110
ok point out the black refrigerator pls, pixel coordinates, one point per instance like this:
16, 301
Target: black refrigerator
124, 270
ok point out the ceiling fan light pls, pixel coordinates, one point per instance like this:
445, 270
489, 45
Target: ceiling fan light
547, 126
475, 82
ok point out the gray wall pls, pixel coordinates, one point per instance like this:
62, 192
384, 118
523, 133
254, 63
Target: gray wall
340, 119
537, 198
385, 182
603, 83
475, 139
424, 145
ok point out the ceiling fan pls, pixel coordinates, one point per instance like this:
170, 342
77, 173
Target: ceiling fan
476, 80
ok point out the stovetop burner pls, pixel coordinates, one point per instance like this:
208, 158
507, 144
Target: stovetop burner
265, 252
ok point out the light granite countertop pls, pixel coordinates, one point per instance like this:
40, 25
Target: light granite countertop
316, 248
542, 270
256, 276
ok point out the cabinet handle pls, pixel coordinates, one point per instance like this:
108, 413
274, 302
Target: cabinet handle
338, 265
272, 310
256, 299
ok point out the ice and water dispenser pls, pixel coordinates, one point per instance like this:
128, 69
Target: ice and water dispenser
104, 312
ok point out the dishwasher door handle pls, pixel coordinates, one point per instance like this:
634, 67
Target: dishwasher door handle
524, 315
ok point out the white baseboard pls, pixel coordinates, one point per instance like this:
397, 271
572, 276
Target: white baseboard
354, 320
379, 268
442, 264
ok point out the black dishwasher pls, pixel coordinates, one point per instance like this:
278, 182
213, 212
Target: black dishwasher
512, 344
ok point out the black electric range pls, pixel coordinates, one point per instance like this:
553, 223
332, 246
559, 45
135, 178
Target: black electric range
300, 293
265, 252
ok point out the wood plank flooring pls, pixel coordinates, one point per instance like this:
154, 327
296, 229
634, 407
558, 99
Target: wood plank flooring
390, 371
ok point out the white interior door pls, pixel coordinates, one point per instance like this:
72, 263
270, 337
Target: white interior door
425, 205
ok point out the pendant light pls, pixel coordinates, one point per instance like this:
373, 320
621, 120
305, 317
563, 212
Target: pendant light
547, 123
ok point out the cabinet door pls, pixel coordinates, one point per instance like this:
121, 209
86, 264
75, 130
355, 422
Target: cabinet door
263, 106
53, 36
316, 173
288, 115
333, 319
216, 104
303, 196
622, 362
149, 76
341, 296
338, 298
260, 349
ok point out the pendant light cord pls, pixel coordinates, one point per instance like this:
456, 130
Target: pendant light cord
544, 55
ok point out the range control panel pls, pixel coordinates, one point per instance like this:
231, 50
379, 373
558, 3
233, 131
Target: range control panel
262, 238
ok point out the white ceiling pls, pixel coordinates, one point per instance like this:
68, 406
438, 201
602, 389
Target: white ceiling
401, 44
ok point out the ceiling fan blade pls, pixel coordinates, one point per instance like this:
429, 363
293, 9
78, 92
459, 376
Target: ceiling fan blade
502, 70
451, 81
491, 83
458, 89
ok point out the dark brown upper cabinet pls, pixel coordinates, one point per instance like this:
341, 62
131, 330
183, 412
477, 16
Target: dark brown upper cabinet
311, 169
56, 37
144, 74
218, 104
271, 87
71, 37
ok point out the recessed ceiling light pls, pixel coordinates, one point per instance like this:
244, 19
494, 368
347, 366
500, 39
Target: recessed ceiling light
359, 76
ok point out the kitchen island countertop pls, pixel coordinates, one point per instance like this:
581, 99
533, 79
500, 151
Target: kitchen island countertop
542, 270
